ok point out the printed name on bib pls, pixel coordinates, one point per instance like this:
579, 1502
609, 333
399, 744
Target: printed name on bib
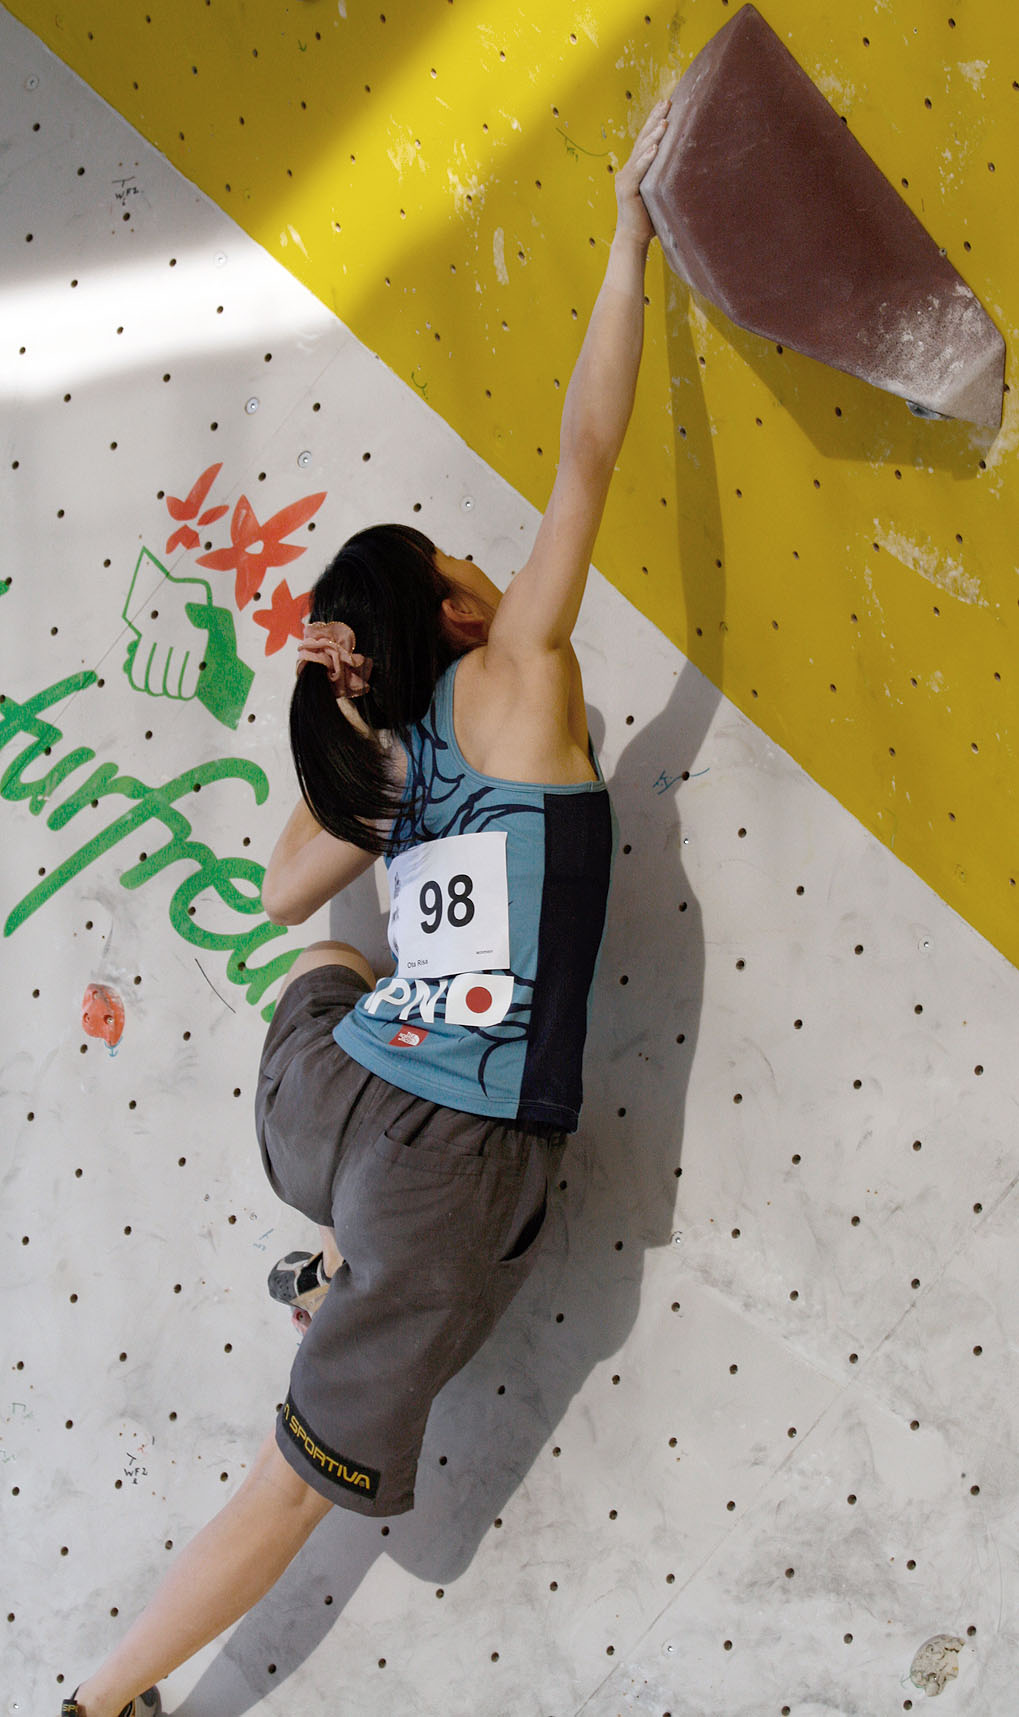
449, 909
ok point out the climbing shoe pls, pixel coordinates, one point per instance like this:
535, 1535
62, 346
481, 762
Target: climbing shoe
146, 1705
300, 1282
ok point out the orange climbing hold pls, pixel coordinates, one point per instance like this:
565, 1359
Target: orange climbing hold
102, 1014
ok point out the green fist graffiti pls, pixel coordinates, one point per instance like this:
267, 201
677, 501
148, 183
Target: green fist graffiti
169, 657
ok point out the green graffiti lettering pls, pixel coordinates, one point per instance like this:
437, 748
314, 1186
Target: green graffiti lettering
18, 717
258, 978
86, 855
152, 802
14, 786
179, 846
221, 769
236, 881
218, 875
102, 781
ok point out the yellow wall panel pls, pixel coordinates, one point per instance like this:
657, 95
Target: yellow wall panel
439, 173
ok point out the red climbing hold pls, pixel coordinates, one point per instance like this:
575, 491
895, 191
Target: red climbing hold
102, 1014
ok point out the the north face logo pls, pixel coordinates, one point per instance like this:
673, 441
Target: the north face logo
409, 1037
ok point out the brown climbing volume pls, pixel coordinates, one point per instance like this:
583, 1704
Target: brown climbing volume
766, 203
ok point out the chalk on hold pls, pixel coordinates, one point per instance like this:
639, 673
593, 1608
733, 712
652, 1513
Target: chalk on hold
765, 203
936, 1662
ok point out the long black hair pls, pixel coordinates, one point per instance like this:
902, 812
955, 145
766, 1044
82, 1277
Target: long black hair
385, 585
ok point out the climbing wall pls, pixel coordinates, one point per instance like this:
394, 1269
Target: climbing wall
435, 169
748, 1441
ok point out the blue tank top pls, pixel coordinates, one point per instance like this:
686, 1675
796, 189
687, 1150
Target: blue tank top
496, 940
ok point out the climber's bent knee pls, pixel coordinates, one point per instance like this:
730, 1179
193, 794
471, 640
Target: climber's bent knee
330, 954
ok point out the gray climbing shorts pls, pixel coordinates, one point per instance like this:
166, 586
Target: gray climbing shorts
438, 1216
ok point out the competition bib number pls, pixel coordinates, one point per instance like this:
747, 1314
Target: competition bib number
450, 907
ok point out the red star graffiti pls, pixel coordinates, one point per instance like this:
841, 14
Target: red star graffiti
284, 618
257, 548
190, 507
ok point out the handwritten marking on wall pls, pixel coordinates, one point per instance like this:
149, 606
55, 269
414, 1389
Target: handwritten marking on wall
574, 150
212, 986
102, 1015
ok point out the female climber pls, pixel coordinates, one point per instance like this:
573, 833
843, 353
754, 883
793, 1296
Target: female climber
418, 1119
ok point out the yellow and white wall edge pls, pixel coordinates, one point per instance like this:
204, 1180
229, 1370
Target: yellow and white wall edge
750, 1437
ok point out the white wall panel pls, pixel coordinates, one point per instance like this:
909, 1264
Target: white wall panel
761, 1389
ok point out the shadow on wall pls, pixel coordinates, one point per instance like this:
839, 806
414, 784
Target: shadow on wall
848, 419
497, 1417
356, 917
